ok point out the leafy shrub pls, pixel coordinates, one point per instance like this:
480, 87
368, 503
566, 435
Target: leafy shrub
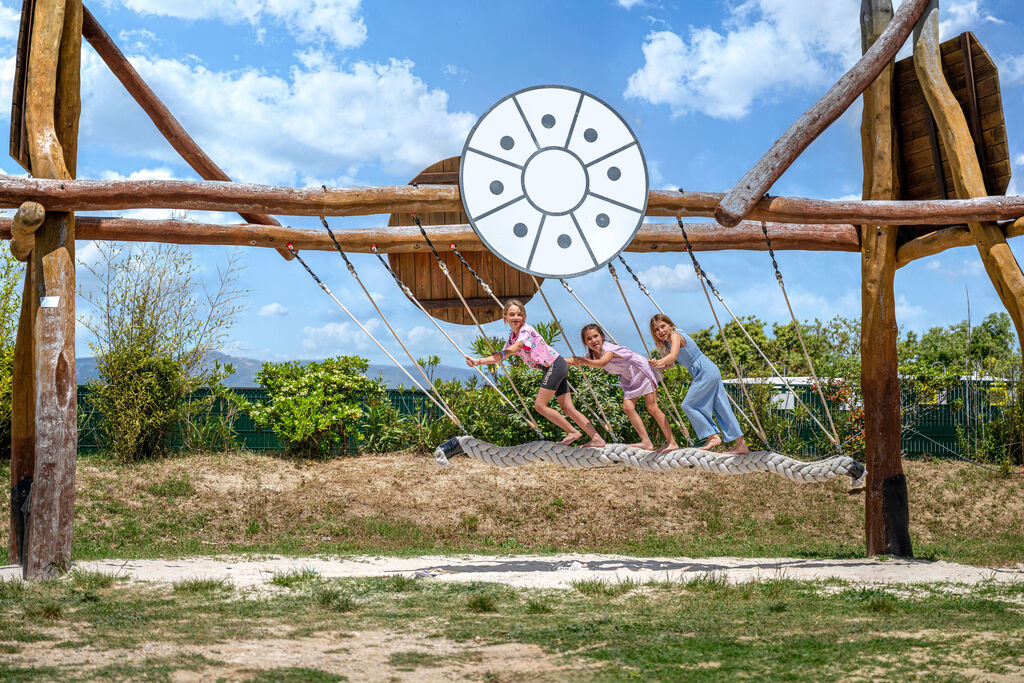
141, 397
315, 407
11, 274
154, 321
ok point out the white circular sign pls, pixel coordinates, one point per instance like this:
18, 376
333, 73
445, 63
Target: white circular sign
553, 181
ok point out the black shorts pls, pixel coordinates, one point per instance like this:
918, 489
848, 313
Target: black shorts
556, 377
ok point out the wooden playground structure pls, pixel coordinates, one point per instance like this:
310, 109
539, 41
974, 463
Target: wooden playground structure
935, 163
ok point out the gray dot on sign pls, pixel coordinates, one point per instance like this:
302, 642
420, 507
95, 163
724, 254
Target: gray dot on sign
548, 121
614, 173
497, 187
602, 220
590, 135
564, 241
519, 229
507, 143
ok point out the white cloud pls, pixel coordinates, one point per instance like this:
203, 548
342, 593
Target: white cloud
1019, 160
323, 120
309, 20
678, 278
10, 20
273, 309
1011, 69
628, 4
335, 338
161, 173
907, 313
765, 47
957, 17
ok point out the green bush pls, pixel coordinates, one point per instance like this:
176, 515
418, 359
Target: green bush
315, 407
141, 397
11, 274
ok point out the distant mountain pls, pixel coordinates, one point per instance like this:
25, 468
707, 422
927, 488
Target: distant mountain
246, 369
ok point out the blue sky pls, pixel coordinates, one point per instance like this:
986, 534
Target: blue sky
345, 92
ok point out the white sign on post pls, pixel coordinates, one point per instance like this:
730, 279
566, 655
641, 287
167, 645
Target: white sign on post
554, 181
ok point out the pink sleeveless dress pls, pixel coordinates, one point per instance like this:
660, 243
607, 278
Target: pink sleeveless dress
636, 376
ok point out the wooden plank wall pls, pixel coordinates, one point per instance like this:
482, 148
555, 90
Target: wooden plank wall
421, 273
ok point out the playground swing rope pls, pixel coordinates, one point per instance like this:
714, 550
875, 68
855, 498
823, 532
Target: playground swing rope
609, 455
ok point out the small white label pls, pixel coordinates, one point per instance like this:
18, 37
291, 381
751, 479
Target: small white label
49, 302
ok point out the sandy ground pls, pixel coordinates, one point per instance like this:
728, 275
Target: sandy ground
548, 571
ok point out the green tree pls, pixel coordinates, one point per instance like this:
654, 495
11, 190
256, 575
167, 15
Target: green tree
154, 320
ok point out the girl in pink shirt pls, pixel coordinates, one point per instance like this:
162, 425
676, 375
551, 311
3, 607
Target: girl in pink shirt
525, 342
637, 378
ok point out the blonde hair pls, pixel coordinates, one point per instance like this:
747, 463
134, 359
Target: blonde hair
661, 318
583, 337
513, 302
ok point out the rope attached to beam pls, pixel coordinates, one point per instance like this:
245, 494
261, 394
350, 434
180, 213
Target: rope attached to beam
416, 363
451, 416
412, 297
799, 335
703, 277
629, 456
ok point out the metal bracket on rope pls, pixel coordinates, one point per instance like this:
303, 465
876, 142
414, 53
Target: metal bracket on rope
486, 287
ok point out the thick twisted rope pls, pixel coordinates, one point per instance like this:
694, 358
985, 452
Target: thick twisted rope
682, 458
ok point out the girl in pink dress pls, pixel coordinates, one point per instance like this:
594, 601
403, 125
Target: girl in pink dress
525, 342
637, 378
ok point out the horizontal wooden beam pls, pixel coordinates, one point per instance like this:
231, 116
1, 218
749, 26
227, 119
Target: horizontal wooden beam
941, 240
652, 237
116, 195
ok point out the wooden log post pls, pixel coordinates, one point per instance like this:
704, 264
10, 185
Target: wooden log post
886, 511
996, 256
45, 362
23, 229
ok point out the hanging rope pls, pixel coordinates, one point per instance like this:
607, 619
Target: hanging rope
450, 415
756, 427
674, 411
705, 278
352, 270
586, 380
444, 269
487, 288
408, 292
799, 335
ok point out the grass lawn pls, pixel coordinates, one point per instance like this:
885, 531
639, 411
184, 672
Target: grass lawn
90, 626
403, 504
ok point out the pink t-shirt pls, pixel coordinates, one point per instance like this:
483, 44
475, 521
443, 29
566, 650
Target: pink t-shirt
535, 352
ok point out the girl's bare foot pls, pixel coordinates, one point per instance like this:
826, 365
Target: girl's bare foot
643, 445
737, 450
669, 447
713, 440
596, 442
569, 438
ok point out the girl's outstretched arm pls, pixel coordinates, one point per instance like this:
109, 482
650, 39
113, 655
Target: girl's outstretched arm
669, 358
495, 357
605, 358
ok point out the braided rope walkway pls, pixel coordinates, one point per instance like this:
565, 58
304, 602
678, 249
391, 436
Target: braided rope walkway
683, 458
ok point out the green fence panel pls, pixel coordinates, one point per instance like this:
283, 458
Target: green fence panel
933, 427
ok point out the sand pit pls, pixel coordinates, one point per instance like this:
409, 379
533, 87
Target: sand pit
549, 571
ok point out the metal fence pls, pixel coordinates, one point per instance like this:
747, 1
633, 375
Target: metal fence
933, 425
